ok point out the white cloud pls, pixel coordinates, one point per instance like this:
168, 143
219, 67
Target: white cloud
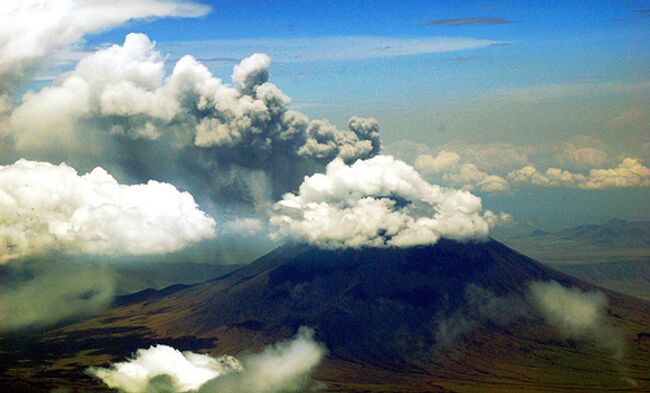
469, 177
576, 314
427, 163
252, 71
283, 367
32, 29
44, 207
629, 173
187, 371
377, 202
446, 165
495, 156
585, 157
328, 48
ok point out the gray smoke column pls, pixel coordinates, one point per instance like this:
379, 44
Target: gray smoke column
223, 141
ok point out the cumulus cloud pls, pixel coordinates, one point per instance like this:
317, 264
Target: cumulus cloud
469, 177
186, 371
44, 207
629, 119
283, 367
377, 202
186, 125
576, 314
39, 294
32, 29
586, 157
496, 156
629, 173
444, 160
446, 164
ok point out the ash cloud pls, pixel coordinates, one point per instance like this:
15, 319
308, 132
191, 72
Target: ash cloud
224, 142
282, 367
378, 202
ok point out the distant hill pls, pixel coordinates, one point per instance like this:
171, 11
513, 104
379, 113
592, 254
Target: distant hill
135, 277
629, 277
384, 315
615, 254
614, 240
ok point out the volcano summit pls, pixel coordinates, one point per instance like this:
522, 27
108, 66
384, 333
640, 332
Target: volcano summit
448, 317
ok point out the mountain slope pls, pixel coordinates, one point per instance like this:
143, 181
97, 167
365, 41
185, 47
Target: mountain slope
392, 319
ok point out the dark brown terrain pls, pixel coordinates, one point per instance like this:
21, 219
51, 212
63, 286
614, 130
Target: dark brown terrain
379, 313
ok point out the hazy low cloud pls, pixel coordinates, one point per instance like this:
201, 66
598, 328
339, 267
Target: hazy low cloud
376, 203
480, 306
577, 314
574, 313
629, 173
32, 29
558, 91
243, 226
52, 208
283, 367
45, 293
497, 157
470, 21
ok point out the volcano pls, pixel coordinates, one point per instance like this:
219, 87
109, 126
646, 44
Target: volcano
393, 319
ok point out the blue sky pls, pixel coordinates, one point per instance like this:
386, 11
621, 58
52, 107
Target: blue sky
543, 43
539, 75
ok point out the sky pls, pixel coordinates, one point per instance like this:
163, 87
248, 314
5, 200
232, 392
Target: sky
539, 109
541, 76
211, 132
